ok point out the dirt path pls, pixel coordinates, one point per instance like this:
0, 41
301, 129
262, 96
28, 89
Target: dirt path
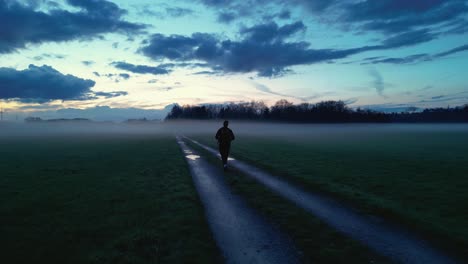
386, 239
241, 234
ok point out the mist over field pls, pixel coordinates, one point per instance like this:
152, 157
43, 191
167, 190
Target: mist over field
122, 173
189, 127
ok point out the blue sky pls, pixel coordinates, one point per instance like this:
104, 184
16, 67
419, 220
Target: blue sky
98, 54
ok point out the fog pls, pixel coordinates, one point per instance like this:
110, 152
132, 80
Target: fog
287, 131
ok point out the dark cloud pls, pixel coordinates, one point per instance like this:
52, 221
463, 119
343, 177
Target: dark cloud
23, 24
42, 84
163, 11
143, 69
126, 76
399, 15
408, 38
271, 31
88, 62
49, 56
178, 11
389, 17
437, 97
177, 47
264, 48
452, 51
416, 58
108, 95
285, 14
403, 60
227, 17
455, 97
207, 73
116, 77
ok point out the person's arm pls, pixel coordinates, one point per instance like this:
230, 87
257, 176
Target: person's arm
232, 135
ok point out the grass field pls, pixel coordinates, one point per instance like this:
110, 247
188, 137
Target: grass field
417, 177
127, 197
99, 199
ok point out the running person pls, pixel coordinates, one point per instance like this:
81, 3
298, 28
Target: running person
224, 137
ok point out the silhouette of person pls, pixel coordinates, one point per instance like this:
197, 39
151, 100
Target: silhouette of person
224, 137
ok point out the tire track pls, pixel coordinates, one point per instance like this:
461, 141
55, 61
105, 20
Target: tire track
386, 239
241, 234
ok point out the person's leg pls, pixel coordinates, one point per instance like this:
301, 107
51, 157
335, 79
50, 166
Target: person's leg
224, 156
228, 147
224, 150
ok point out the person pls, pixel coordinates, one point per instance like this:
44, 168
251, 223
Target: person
224, 137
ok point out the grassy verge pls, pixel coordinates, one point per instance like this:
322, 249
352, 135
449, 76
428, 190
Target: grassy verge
416, 179
99, 199
318, 242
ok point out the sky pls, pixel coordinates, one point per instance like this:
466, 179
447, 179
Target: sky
111, 59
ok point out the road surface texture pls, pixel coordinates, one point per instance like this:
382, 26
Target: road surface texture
242, 235
386, 239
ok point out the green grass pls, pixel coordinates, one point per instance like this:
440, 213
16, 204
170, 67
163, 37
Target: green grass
317, 242
416, 178
99, 199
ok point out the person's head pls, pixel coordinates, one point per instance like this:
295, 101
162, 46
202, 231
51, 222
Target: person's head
226, 123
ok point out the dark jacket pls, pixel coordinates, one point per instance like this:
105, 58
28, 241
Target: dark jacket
224, 136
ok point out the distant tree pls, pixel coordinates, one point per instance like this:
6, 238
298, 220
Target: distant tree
325, 111
176, 112
411, 109
32, 119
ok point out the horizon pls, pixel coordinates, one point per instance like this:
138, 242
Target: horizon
124, 59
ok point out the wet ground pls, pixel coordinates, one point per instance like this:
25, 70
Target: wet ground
240, 232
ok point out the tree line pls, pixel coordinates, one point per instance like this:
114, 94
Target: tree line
322, 112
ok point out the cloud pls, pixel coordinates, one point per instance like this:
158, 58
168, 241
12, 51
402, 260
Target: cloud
207, 73
285, 14
437, 97
263, 48
452, 51
42, 84
271, 31
460, 97
266, 89
409, 38
143, 69
88, 62
378, 82
126, 76
226, 17
415, 58
393, 16
403, 60
178, 11
389, 17
93, 17
110, 94
163, 11
116, 77
49, 56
